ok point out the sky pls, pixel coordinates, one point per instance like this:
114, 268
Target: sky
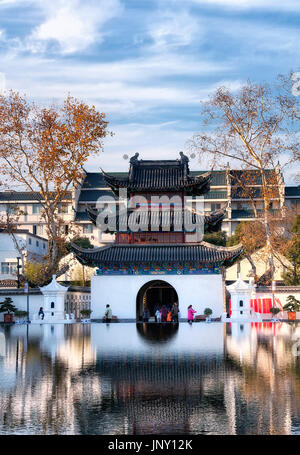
145, 63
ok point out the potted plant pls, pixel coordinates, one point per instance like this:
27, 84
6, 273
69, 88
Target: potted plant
274, 311
292, 307
8, 309
85, 315
208, 313
21, 315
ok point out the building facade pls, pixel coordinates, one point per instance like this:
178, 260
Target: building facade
31, 247
157, 259
225, 192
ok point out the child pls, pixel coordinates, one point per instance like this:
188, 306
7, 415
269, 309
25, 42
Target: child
157, 314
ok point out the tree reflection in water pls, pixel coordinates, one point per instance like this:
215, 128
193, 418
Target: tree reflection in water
149, 378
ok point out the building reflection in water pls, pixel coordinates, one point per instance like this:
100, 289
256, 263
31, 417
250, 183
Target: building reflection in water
127, 379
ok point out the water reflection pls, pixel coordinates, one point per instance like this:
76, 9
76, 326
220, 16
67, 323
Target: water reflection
157, 333
147, 378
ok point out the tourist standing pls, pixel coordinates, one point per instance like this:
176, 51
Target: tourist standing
191, 313
41, 313
157, 315
108, 314
164, 313
169, 316
156, 309
145, 314
175, 311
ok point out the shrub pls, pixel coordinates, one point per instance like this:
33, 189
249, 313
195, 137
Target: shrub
207, 312
85, 312
275, 310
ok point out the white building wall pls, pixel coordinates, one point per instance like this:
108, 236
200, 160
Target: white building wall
120, 292
20, 302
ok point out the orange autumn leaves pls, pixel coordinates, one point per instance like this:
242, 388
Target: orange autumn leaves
43, 149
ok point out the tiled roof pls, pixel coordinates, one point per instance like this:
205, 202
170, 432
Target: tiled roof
159, 175
93, 195
82, 216
161, 218
96, 179
25, 196
147, 254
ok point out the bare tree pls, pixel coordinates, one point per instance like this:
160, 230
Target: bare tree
252, 127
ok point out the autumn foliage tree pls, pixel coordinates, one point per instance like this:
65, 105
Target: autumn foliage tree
43, 149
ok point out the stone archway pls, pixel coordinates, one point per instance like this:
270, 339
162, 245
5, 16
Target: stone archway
154, 293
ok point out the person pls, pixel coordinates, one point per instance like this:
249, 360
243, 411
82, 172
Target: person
108, 314
169, 316
156, 309
157, 315
164, 313
191, 313
175, 311
145, 315
41, 313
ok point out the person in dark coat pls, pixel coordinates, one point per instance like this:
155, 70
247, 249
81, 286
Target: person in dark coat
41, 313
164, 313
175, 311
145, 314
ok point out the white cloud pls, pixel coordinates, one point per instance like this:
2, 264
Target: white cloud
73, 25
174, 29
124, 87
288, 5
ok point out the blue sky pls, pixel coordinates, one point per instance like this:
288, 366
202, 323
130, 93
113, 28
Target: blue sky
145, 63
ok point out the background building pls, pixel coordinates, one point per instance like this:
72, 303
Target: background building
32, 247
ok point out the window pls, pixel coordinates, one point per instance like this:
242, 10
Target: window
63, 208
215, 207
44, 246
36, 208
29, 240
37, 243
8, 268
52, 304
241, 303
34, 229
87, 228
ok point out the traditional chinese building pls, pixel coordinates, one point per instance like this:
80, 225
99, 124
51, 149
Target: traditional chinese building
157, 258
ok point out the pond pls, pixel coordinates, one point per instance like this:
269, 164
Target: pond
150, 379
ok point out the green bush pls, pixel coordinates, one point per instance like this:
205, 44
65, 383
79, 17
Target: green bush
292, 305
7, 306
21, 313
275, 310
85, 312
207, 312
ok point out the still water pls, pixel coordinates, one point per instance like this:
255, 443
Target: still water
150, 379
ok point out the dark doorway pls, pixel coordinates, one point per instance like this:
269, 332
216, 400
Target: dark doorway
154, 294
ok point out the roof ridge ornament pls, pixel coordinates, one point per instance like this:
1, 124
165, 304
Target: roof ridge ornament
133, 162
184, 160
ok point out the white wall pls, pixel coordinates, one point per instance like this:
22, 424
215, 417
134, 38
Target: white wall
20, 301
120, 292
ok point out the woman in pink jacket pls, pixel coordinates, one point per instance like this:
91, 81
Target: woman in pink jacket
191, 312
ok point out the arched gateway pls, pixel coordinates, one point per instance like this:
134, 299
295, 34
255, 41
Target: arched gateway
154, 293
